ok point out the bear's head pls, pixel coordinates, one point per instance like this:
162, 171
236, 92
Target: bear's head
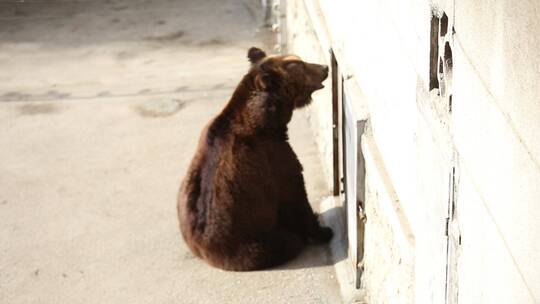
286, 76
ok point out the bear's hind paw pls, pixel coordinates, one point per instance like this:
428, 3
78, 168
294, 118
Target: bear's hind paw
321, 236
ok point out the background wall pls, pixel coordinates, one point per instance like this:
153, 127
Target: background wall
466, 152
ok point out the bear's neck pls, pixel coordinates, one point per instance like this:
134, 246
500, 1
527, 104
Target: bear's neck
233, 118
241, 94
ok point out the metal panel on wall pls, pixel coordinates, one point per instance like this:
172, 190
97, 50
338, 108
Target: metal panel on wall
353, 182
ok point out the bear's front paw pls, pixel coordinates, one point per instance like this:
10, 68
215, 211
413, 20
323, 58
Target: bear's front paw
322, 235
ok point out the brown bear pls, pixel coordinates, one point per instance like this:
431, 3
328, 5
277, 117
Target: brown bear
243, 204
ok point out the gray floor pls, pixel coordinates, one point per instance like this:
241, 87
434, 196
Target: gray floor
101, 104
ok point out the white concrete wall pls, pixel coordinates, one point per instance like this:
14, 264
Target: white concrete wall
497, 134
491, 135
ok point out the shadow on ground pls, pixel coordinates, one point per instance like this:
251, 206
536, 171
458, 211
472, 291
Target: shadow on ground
154, 22
319, 255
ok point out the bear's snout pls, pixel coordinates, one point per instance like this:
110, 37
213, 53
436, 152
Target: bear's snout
322, 71
325, 71
320, 74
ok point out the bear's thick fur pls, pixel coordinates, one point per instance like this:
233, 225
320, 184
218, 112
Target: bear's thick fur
243, 204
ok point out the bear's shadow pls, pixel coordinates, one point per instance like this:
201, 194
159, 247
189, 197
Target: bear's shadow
325, 254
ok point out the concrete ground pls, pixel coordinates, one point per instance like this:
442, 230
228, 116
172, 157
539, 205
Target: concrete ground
101, 105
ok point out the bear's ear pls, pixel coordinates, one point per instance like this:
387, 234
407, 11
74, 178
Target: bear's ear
267, 77
262, 82
255, 54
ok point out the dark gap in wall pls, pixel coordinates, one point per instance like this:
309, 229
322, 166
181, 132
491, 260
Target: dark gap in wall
448, 57
434, 53
450, 103
442, 83
441, 71
444, 24
335, 120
